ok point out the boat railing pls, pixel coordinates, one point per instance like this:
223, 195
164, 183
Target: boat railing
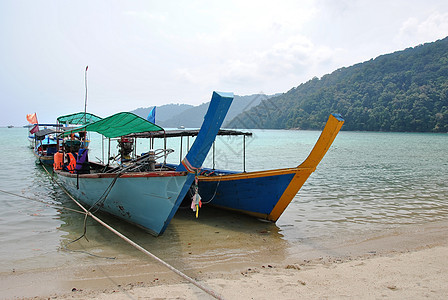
145, 162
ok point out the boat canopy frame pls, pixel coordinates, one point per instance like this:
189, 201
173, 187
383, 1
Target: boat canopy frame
192, 133
81, 118
119, 124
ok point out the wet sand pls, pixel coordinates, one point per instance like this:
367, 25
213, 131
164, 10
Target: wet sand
242, 258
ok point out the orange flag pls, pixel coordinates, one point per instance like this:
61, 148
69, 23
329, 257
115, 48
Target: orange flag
32, 118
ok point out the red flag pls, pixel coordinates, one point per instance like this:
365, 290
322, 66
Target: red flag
32, 118
35, 129
87, 67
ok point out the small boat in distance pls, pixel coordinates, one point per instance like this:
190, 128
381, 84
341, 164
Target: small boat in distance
135, 191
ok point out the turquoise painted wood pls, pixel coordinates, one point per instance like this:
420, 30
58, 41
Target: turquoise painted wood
150, 199
146, 201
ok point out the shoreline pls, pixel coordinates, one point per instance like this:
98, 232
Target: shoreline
409, 262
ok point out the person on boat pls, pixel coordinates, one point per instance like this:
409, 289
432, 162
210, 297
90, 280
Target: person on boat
82, 162
70, 162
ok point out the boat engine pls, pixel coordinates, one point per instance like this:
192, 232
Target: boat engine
125, 147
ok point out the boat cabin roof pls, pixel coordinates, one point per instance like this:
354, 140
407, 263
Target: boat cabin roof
182, 132
119, 124
78, 118
44, 132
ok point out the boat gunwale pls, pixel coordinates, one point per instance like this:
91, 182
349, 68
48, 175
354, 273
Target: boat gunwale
124, 175
255, 174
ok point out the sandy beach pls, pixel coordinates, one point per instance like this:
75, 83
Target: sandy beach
406, 263
414, 275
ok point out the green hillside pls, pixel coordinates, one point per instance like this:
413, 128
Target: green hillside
403, 91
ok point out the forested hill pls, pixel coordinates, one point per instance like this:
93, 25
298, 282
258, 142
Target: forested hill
402, 91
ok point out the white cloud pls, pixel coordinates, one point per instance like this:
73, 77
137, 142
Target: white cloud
146, 53
426, 28
145, 15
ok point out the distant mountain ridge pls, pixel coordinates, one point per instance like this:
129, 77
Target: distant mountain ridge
163, 112
402, 91
189, 116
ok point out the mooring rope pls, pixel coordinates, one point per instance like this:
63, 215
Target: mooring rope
66, 208
41, 201
214, 194
137, 246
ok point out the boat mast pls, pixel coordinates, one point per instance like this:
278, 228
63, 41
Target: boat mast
85, 101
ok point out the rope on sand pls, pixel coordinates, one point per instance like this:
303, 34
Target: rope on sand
137, 246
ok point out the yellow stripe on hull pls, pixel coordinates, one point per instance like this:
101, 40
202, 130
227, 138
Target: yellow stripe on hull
324, 142
270, 208
249, 175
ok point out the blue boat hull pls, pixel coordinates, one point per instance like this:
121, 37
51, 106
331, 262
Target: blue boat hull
255, 193
266, 194
145, 199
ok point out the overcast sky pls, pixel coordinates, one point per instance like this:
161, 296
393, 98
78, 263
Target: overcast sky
146, 53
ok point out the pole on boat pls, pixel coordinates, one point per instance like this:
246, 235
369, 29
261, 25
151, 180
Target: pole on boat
180, 157
85, 101
244, 153
102, 150
108, 153
164, 147
214, 154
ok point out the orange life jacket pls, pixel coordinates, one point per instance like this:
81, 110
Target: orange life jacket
72, 164
58, 161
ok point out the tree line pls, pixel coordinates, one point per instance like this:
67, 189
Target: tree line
402, 91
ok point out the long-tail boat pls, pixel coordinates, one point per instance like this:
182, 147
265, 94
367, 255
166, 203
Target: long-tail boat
135, 191
263, 194
45, 142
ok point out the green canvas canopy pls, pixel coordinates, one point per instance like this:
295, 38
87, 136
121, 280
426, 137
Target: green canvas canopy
78, 118
118, 125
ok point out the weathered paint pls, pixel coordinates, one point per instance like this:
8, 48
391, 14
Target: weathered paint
149, 199
145, 200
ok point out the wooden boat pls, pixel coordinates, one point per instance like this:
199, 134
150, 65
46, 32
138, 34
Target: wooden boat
46, 145
45, 142
80, 140
34, 128
135, 191
265, 194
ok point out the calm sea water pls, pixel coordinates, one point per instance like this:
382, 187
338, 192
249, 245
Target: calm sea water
367, 182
